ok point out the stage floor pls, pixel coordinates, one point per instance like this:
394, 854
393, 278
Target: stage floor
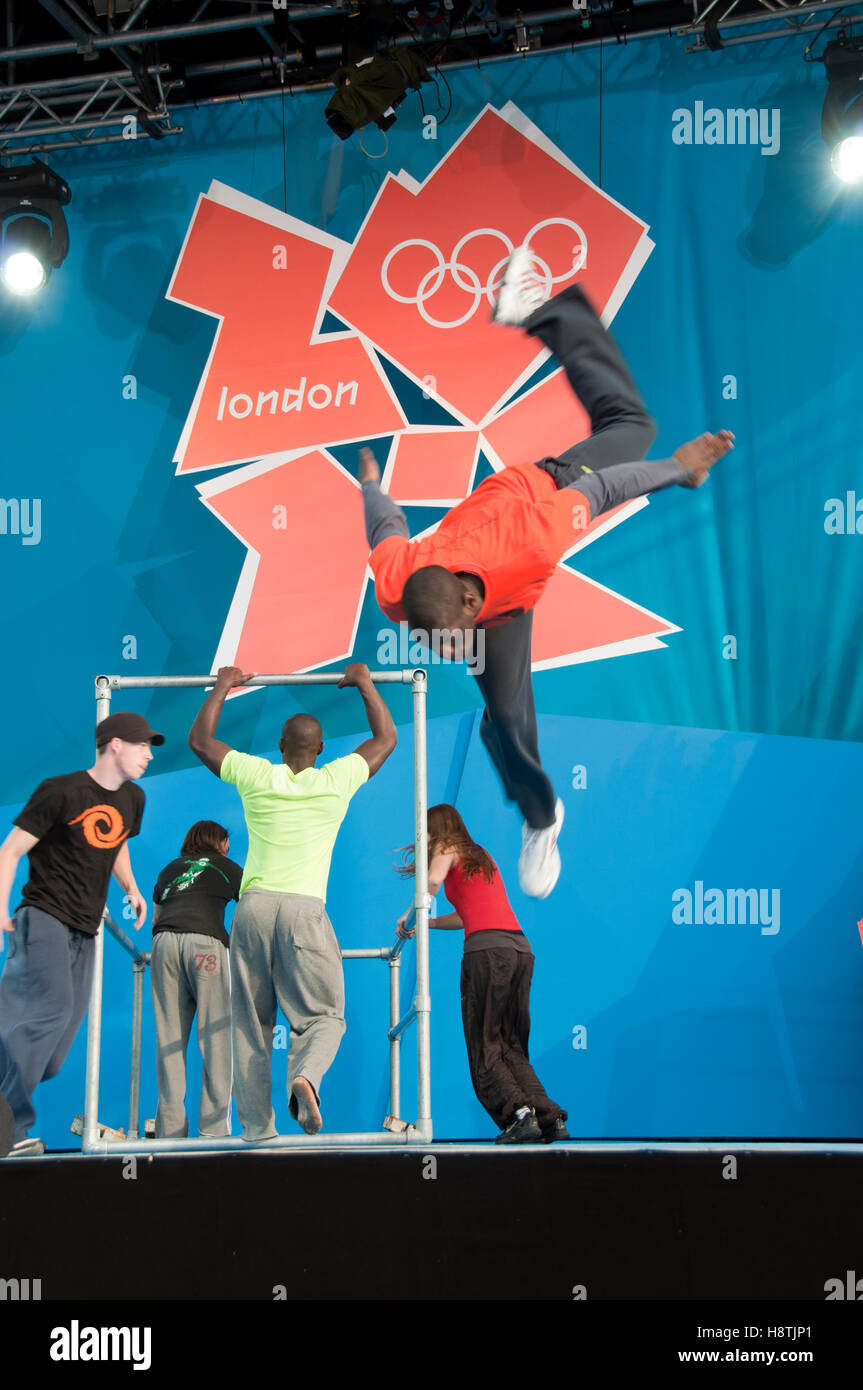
627, 1219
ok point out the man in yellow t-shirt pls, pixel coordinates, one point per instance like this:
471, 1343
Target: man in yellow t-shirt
283, 947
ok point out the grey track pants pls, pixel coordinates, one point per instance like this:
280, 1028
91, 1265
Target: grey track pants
44, 992
283, 951
190, 975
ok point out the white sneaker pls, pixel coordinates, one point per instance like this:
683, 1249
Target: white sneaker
521, 291
539, 862
27, 1148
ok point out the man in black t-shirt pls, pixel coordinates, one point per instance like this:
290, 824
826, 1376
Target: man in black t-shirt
75, 830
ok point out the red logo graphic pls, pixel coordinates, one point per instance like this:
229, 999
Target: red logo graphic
102, 826
414, 289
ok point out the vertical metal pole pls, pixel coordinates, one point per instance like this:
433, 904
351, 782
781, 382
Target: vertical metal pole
421, 902
395, 1043
138, 969
10, 39
94, 1038
103, 698
94, 1014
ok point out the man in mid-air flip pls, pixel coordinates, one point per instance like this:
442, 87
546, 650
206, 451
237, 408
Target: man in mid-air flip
488, 562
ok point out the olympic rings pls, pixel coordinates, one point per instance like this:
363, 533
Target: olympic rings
465, 278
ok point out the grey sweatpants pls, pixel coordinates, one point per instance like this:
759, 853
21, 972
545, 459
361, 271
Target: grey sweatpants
283, 951
44, 992
190, 975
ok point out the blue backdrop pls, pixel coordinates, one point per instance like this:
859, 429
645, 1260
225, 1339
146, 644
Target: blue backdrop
727, 759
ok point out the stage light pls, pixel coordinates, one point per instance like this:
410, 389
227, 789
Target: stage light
847, 159
26, 248
34, 238
370, 89
842, 116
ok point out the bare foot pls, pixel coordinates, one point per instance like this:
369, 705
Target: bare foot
698, 456
308, 1114
369, 470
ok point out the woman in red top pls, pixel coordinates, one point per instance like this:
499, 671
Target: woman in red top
496, 973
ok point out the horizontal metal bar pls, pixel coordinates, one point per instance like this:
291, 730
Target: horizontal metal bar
403, 1023
66, 127
84, 80
282, 1141
401, 677
351, 953
46, 143
293, 59
162, 32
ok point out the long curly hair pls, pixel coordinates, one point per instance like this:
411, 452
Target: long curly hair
447, 832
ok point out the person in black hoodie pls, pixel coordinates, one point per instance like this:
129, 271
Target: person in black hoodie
190, 974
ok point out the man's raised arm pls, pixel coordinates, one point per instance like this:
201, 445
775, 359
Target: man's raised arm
377, 749
202, 735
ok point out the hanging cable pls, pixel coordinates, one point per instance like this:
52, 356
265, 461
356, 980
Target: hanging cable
284, 151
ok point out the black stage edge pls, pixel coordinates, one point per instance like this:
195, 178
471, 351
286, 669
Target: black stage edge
461, 1222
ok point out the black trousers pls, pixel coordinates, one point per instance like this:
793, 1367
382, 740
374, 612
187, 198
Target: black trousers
495, 1010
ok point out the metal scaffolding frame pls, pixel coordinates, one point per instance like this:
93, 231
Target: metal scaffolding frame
397, 1131
91, 108
783, 16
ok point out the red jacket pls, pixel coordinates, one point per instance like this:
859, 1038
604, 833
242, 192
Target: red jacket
510, 532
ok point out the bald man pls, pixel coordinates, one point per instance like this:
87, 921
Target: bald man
283, 947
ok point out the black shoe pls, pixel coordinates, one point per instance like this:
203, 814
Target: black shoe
556, 1130
523, 1131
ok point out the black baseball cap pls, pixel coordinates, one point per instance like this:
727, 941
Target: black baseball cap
130, 727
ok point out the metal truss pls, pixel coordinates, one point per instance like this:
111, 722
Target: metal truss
106, 73
771, 19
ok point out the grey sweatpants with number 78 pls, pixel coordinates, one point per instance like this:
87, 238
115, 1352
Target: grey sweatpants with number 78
283, 951
189, 975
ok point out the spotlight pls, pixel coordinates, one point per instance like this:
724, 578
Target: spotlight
842, 116
34, 238
847, 159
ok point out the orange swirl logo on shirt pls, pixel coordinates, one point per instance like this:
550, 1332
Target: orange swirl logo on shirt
103, 826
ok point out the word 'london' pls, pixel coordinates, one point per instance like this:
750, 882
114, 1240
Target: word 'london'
733, 127
318, 397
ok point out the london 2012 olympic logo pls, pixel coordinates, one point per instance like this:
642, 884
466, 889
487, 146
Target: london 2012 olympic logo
467, 279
